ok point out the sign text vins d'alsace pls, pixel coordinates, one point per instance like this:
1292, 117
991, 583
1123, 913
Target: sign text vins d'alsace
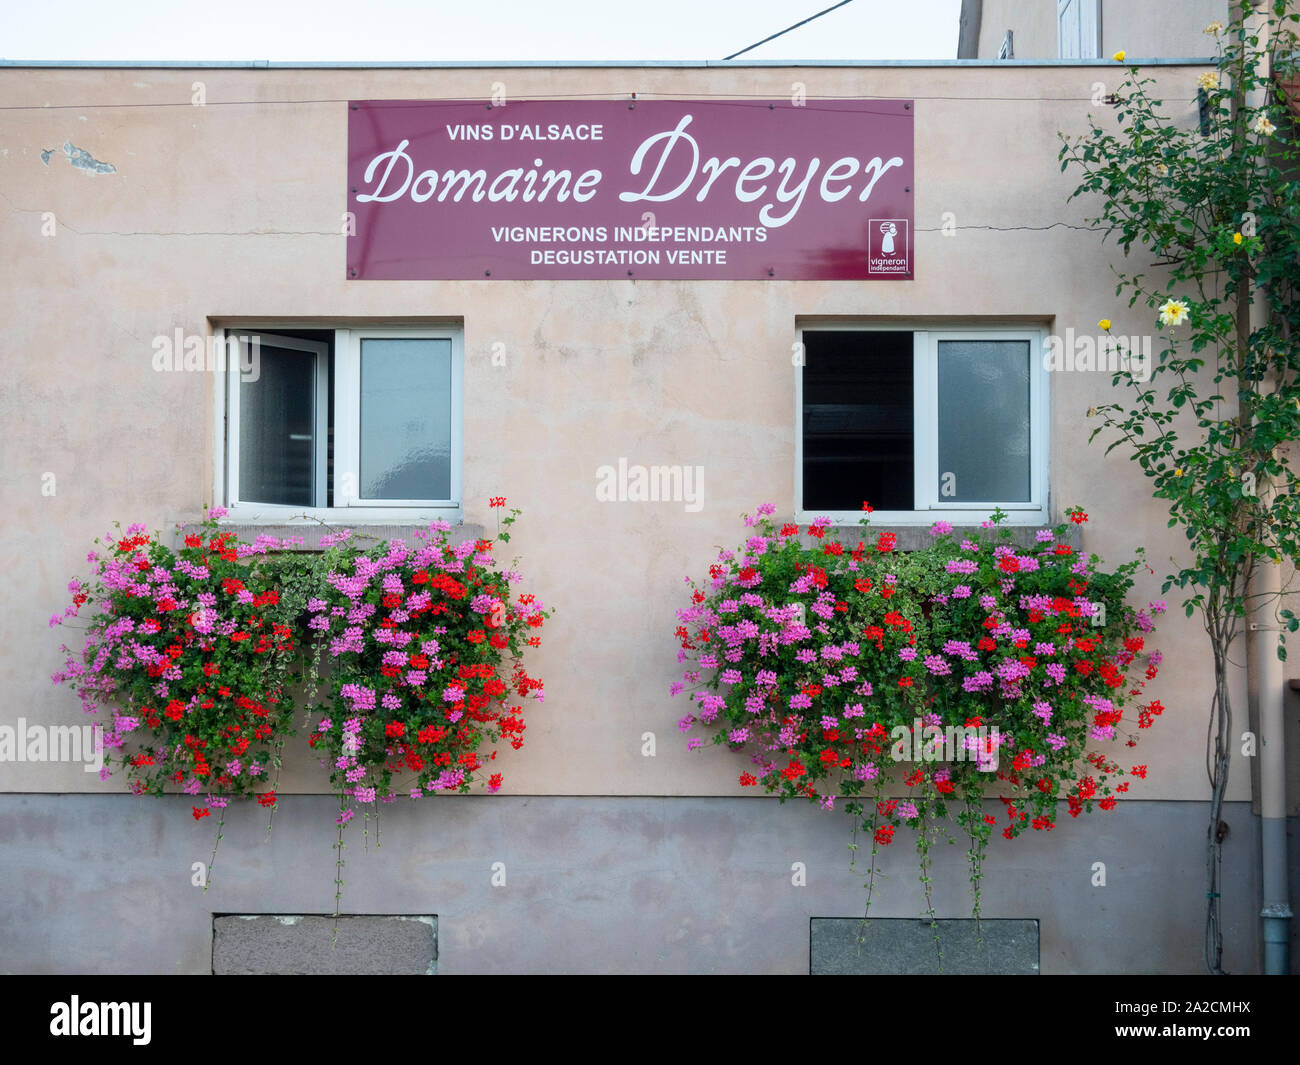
717, 189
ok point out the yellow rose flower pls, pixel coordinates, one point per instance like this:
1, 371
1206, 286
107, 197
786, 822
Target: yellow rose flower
1263, 126
1118, 57
1213, 29
1173, 312
1208, 81
1104, 325
1236, 238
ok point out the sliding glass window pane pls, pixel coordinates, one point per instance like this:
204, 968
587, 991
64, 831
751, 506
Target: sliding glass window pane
276, 426
857, 420
405, 419
984, 421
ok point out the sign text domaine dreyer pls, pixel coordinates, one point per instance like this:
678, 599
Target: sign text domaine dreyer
722, 189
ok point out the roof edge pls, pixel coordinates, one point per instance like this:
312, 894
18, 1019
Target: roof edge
474, 64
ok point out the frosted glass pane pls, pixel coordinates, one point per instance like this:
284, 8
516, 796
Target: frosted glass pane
275, 428
984, 421
405, 419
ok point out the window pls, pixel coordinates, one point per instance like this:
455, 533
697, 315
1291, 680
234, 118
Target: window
923, 424
366, 420
1078, 28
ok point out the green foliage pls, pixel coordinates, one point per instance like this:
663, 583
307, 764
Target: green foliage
1220, 212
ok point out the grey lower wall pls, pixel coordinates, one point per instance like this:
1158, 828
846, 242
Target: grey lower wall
102, 884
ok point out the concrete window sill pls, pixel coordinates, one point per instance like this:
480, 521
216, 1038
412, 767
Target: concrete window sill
365, 533
916, 537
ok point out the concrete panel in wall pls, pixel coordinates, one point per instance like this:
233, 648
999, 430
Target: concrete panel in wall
905, 947
365, 945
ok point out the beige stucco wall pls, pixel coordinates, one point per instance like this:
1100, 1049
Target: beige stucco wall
233, 210
1146, 29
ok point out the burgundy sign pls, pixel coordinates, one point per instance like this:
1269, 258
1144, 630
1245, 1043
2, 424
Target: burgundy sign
644, 189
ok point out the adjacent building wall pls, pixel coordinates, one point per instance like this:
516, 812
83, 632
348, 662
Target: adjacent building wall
1145, 29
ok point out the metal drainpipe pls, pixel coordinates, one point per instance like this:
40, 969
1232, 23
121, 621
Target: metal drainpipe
1269, 685
1270, 681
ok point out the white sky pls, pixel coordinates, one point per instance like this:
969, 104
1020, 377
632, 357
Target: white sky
433, 30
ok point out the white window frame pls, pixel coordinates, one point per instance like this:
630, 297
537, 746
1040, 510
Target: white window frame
929, 507
319, 428
347, 418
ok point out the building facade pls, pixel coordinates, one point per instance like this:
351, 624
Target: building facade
148, 205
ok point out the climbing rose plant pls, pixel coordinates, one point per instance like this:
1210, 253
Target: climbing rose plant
1202, 197
913, 684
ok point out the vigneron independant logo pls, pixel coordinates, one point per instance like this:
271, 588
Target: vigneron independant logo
79, 1018
889, 246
